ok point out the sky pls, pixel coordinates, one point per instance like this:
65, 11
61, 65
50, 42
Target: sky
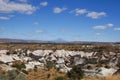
70, 20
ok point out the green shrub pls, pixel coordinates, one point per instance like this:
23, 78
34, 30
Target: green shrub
21, 76
75, 73
19, 65
24, 71
60, 78
15, 75
12, 74
3, 77
49, 65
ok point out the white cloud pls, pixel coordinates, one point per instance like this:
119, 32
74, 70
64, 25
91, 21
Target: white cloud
7, 6
98, 34
110, 25
117, 29
91, 14
4, 18
2, 28
103, 26
59, 10
80, 11
39, 31
36, 23
11, 15
44, 4
99, 27
96, 15
23, 0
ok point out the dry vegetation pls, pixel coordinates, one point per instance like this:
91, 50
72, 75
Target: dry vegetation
65, 46
44, 75
114, 77
53, 74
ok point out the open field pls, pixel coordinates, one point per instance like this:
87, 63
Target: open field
59, 46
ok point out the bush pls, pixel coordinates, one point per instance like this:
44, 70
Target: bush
49, 65
20, 77
19, 65
3, 77
60, 78
75, 73
24, 71
12, 74
48, 76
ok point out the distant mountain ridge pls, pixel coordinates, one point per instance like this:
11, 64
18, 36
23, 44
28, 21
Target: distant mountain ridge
8, 40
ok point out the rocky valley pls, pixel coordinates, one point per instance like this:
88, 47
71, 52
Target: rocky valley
94, 60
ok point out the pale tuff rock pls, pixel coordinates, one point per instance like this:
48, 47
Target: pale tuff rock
6, 67
62, 59
3, 51
6, 58
106, 72
32, 64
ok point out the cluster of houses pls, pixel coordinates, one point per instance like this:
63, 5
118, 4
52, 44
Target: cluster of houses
92, 63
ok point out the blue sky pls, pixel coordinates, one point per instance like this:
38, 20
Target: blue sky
71, 20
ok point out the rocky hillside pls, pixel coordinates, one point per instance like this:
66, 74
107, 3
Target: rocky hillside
92, 63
